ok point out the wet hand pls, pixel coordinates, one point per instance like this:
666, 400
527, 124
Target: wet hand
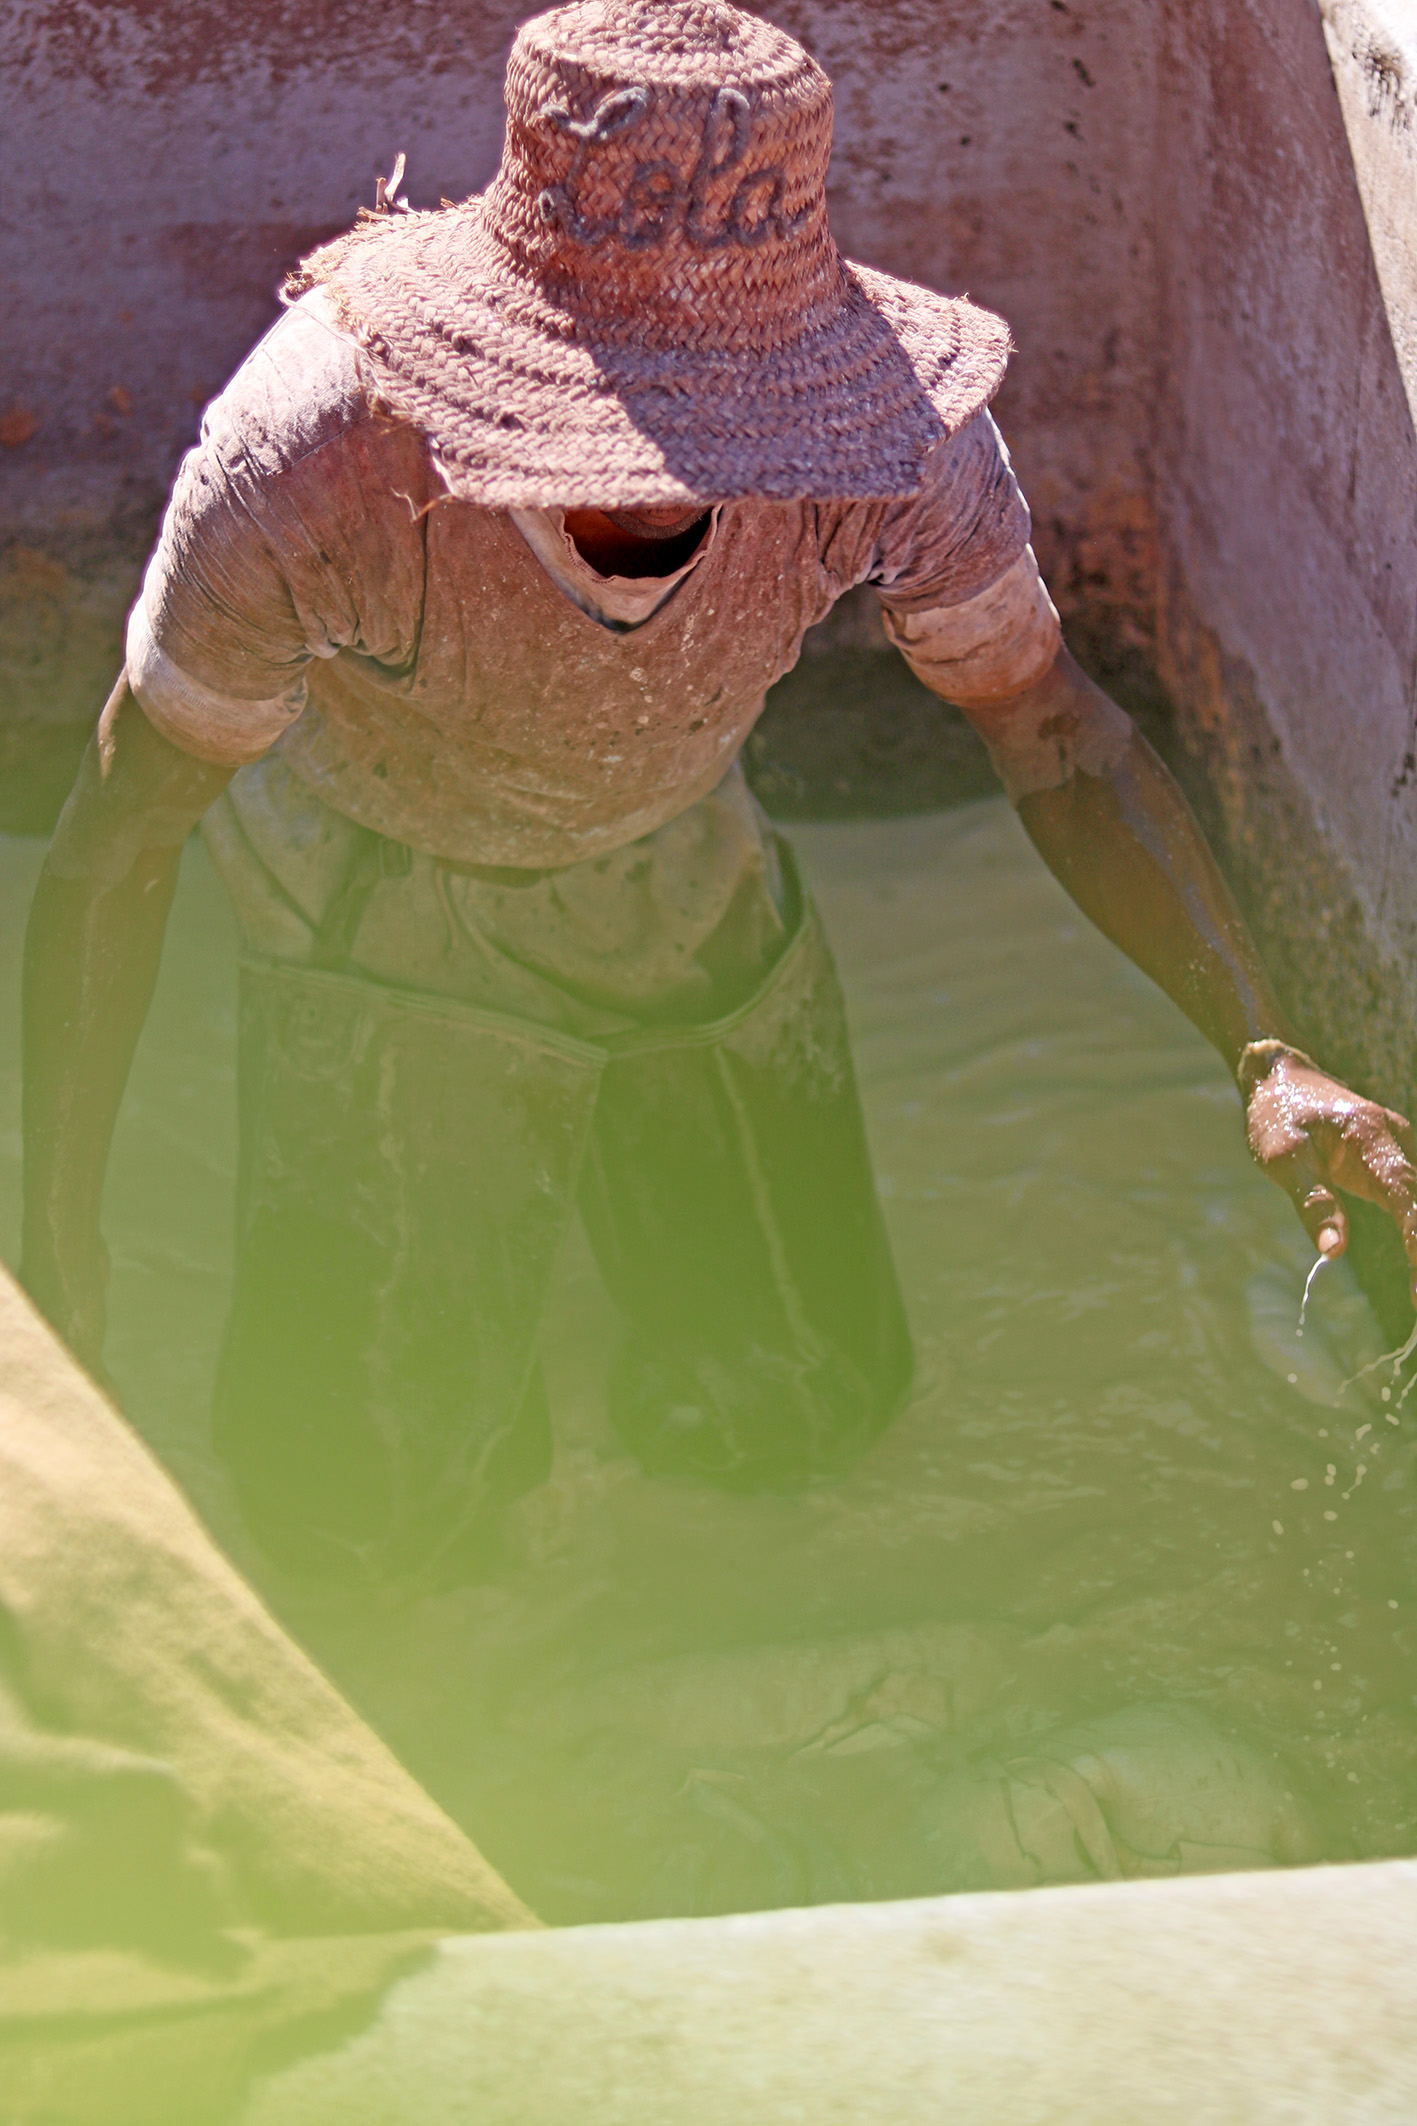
1314, 1136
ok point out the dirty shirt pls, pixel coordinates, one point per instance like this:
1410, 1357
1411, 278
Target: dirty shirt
457, 678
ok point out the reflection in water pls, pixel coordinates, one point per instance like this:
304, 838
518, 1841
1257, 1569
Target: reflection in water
1116, 1593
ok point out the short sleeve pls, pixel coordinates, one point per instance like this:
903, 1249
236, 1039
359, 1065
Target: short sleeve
960, 532
294, 530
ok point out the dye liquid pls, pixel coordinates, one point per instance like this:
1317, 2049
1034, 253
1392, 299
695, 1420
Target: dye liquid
1124, 1589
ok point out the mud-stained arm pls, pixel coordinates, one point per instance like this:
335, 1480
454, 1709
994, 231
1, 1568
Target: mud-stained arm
1129, 850
91, 959
1112, 825
1102, 809
1108, 819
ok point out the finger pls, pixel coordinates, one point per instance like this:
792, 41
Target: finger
1373, 1166
1383, 1176
1320, 1213
1323, 1219
1403, 1131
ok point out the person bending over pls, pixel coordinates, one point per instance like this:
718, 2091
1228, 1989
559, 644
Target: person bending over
462, 610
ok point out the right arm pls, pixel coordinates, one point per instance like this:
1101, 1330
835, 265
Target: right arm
91, 959
286, 536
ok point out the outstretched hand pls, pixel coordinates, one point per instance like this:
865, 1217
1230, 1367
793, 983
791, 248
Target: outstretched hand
1313, 1136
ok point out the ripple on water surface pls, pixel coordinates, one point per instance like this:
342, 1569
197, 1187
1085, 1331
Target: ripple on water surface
1123, 1591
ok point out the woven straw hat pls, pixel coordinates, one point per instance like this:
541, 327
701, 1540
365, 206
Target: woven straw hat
646, 305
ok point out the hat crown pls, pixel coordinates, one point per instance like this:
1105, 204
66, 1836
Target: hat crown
663, 179
646, 305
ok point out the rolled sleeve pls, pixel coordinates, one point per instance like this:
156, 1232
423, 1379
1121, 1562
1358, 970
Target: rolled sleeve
200, 719
293, 532
992, 646
960, 591
987, 656
960, 532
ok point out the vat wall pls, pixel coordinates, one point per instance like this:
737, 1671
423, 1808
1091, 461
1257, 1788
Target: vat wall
1286, 477
1257, 1997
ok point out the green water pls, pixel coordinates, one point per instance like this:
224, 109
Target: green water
1060, 1570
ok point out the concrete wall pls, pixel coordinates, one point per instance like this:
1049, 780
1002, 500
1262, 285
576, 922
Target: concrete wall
1286, 468
1248, 2000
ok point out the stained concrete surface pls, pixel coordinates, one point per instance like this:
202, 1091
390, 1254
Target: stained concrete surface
1253, 2001
1287, 463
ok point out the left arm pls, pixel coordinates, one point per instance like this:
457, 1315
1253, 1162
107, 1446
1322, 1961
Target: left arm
1110, 822
1128, 848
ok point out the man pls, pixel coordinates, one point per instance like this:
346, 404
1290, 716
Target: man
463, 607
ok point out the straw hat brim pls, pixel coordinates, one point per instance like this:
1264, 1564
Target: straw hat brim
521, 415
